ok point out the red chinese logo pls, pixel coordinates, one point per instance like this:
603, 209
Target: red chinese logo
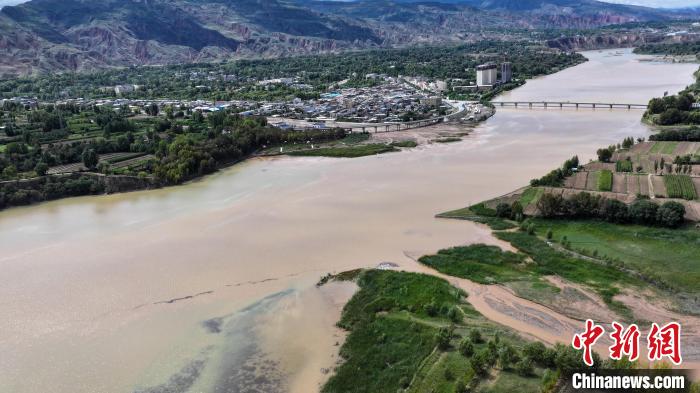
625, 342
587, 339
665, 342
662, 342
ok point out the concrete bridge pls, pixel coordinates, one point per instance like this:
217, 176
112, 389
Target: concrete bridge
567, 104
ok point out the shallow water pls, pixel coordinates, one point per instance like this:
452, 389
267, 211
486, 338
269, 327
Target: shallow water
186, 288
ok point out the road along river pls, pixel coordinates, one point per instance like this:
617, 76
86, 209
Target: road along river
209, 287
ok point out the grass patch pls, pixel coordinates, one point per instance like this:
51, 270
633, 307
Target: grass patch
405, 144
346, 152
680, 186
605, 179
663, 148
510, 382
531, 195
480, 263
668, 255
623, 166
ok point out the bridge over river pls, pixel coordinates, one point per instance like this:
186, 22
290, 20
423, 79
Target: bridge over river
568, 104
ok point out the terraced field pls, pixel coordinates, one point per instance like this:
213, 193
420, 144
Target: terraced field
619, 183
680, 186
663, 147
592, 180
659, 186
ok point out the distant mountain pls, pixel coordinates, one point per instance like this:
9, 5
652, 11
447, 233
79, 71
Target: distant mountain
67, 35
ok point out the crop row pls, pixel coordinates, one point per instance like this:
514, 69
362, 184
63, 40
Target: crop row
680, 186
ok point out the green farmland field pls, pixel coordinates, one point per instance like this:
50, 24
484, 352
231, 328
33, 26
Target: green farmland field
680, 186
605, 179
670, 255
663, 148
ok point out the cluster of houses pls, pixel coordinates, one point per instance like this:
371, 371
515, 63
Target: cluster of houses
388, 102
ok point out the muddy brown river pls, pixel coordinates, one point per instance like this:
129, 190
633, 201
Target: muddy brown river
209, 287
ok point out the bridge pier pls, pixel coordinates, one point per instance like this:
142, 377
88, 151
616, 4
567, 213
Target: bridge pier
611, 106
577, 105
561, 105
545, 104
594, 105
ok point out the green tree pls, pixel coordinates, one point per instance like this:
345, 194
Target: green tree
90, 158
455, 314
604, 154
466, 348
10, 172
506, 356
443, 337
524, 367
41, 168
475, 336
480, 362
504, 210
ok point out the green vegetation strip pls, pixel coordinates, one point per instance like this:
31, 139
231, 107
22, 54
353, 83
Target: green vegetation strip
447, 140
680, 186
605, 179
480, 214
667, 255
405, 144
623, 166
531, 195
481, 263
663, 148
346, 152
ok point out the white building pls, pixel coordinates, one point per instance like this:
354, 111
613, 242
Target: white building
486, 75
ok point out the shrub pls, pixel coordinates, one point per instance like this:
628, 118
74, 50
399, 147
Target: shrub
475, 336
670, 214
466, 348
643, 211
524, 367
443, 337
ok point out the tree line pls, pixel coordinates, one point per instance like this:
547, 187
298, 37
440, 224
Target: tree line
586, 206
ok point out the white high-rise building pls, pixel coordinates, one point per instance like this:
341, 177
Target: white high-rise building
486, 75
